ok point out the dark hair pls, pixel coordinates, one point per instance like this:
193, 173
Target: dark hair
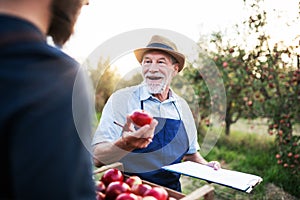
64, 16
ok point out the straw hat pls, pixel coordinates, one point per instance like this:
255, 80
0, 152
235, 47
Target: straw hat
158, 42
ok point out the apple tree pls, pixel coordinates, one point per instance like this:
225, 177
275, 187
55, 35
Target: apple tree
276, 73
236, 76
261, 80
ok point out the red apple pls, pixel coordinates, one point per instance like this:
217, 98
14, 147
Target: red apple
132, 180
140, 189
225, 64
100, 196
127, 196
149, 198
115, 188
158, 192
100, 186
250, 103
141, 117
111, 175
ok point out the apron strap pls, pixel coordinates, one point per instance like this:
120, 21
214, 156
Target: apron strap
142, 104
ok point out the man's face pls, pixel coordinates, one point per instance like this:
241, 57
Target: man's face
64, 16
158, 71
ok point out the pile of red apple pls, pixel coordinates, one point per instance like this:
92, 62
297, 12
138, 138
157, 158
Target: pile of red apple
113, 185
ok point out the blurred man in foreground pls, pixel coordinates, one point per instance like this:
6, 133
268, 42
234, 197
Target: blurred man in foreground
42, 156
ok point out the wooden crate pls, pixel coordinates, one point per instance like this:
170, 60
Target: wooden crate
205, 192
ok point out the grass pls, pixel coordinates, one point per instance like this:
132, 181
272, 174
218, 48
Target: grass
249, 153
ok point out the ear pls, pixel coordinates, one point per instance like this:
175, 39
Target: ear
176, 68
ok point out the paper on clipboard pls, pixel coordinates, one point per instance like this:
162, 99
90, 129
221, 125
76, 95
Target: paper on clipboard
234, 179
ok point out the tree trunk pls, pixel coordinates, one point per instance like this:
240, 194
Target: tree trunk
228, 118
227, 128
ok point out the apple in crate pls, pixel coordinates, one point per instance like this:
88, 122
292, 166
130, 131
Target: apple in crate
115, 188
140, 189
133, 180
141, 117
100, 186
128, 196
149, 198
100, 196
112, 175
158, 192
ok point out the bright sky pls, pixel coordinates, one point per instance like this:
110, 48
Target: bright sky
102, 20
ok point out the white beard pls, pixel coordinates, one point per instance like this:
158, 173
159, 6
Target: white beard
156, 88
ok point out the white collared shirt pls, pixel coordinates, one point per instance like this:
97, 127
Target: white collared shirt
125, 101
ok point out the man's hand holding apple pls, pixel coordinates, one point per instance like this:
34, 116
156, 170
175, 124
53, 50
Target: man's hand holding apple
141, 137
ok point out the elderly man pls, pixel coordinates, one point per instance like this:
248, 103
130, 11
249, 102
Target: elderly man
172, 135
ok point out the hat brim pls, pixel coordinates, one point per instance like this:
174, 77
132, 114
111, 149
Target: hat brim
139, 53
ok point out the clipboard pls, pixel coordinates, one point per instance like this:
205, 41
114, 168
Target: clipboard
237, 180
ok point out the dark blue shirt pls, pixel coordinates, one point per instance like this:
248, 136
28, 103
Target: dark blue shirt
42, 155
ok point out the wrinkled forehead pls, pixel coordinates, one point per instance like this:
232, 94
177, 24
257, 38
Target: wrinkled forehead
156, 54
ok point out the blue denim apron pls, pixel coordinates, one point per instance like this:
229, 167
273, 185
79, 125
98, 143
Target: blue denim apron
170, 143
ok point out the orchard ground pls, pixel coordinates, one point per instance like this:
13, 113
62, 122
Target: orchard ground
259, 126
249, 149
272, 192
